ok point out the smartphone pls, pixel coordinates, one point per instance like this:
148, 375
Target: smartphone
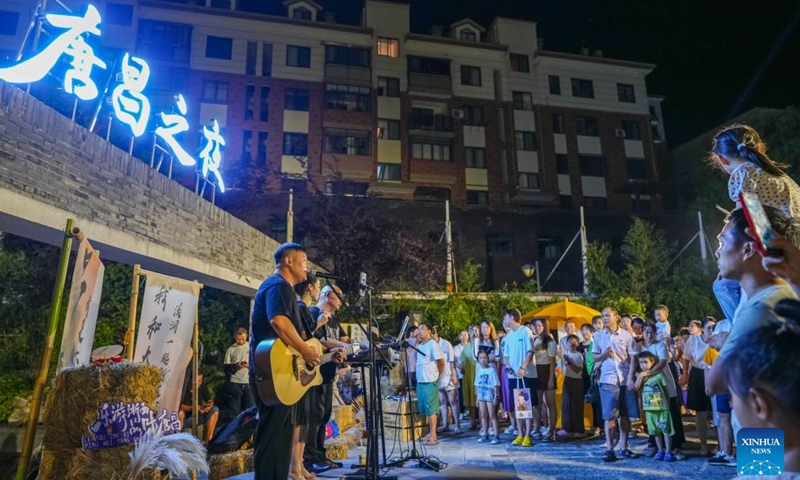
758, 221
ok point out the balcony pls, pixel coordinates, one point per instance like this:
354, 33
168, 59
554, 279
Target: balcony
429, 83
336, 73
421, 124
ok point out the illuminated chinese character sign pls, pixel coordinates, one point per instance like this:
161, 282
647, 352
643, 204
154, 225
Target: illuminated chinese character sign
131, 105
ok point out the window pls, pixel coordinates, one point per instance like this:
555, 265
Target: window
565, 201
558, 123
477, 197
166, 82
388, 87
249, 101
425, 150
526, 140
266, 60
555, 84
582, 88
250, 58
595, 203
295, 144
261, 151
226, 4
301, 13
468, 35
163, 41
500, 245
347, 142
354, 57
632, 130
427, 119
388, 47
388, 171
116, 14
522, 101
529, 181
562, 164
549, 248
215, 92
475, 157
347, 189
591, 165
389, 129
219, 47
298, 56
264, 106
656, 134
348, 97
586, 126
247, 136
470, 76
432, 194
519, 62
625, 93
637, 169
8, 22
429, 65
296, 184
296, 99
473, 116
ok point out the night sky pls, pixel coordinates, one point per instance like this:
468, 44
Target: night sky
707, 51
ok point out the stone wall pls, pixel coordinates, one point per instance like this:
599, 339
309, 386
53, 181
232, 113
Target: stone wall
52, 168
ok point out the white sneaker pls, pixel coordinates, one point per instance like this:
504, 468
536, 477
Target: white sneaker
481, 433
491, 432
511, 430
546, 432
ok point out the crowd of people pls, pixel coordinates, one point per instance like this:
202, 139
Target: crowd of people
637, 374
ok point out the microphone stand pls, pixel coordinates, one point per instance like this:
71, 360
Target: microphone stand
424, 460
372, 404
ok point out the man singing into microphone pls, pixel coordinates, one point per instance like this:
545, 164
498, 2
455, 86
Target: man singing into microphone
276, 315
331, 336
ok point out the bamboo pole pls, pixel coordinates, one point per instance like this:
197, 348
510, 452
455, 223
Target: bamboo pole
41, 379
129, 334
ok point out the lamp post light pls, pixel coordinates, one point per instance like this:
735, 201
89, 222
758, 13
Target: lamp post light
529, 270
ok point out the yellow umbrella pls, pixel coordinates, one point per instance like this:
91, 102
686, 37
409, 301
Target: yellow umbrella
561, 312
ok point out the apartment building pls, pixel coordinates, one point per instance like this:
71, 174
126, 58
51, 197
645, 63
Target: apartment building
478, 114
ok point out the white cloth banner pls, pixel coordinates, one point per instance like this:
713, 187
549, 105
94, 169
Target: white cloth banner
165, 331
84, 301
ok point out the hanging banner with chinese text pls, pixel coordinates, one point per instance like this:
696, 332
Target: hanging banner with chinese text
84, 301
164, 337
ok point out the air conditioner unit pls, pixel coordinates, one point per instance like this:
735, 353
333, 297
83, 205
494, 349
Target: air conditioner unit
457, 113
619, 132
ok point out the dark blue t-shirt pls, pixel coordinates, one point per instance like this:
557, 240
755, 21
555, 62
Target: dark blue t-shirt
274, 297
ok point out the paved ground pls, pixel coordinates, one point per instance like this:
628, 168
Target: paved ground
468, 459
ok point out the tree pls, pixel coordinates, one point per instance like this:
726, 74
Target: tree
646, 281
348, 235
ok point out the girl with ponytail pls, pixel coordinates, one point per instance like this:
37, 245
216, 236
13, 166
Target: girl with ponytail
739, 150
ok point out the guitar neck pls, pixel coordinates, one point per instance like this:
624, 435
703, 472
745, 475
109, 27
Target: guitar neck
328, 357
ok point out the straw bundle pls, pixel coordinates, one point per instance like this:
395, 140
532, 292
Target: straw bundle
337, 448
72, 408
230, 464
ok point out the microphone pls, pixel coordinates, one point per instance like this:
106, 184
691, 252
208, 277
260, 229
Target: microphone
329, 276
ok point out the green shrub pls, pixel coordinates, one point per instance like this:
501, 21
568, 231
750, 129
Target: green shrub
12, 385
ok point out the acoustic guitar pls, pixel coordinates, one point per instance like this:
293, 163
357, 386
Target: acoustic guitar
282, 375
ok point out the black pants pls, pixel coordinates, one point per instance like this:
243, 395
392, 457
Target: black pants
235, 398
321, 409
273, 442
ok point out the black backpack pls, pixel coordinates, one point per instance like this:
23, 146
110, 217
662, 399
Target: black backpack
236, 433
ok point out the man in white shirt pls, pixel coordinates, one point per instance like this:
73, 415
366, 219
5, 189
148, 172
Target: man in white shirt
430, 365
617, 356
518, 358
448, 383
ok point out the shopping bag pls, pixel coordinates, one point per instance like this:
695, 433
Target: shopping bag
522, 403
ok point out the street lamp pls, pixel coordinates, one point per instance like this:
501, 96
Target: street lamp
528, 270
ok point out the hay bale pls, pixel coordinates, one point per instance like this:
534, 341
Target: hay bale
72, 408
230, 464
337, 448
